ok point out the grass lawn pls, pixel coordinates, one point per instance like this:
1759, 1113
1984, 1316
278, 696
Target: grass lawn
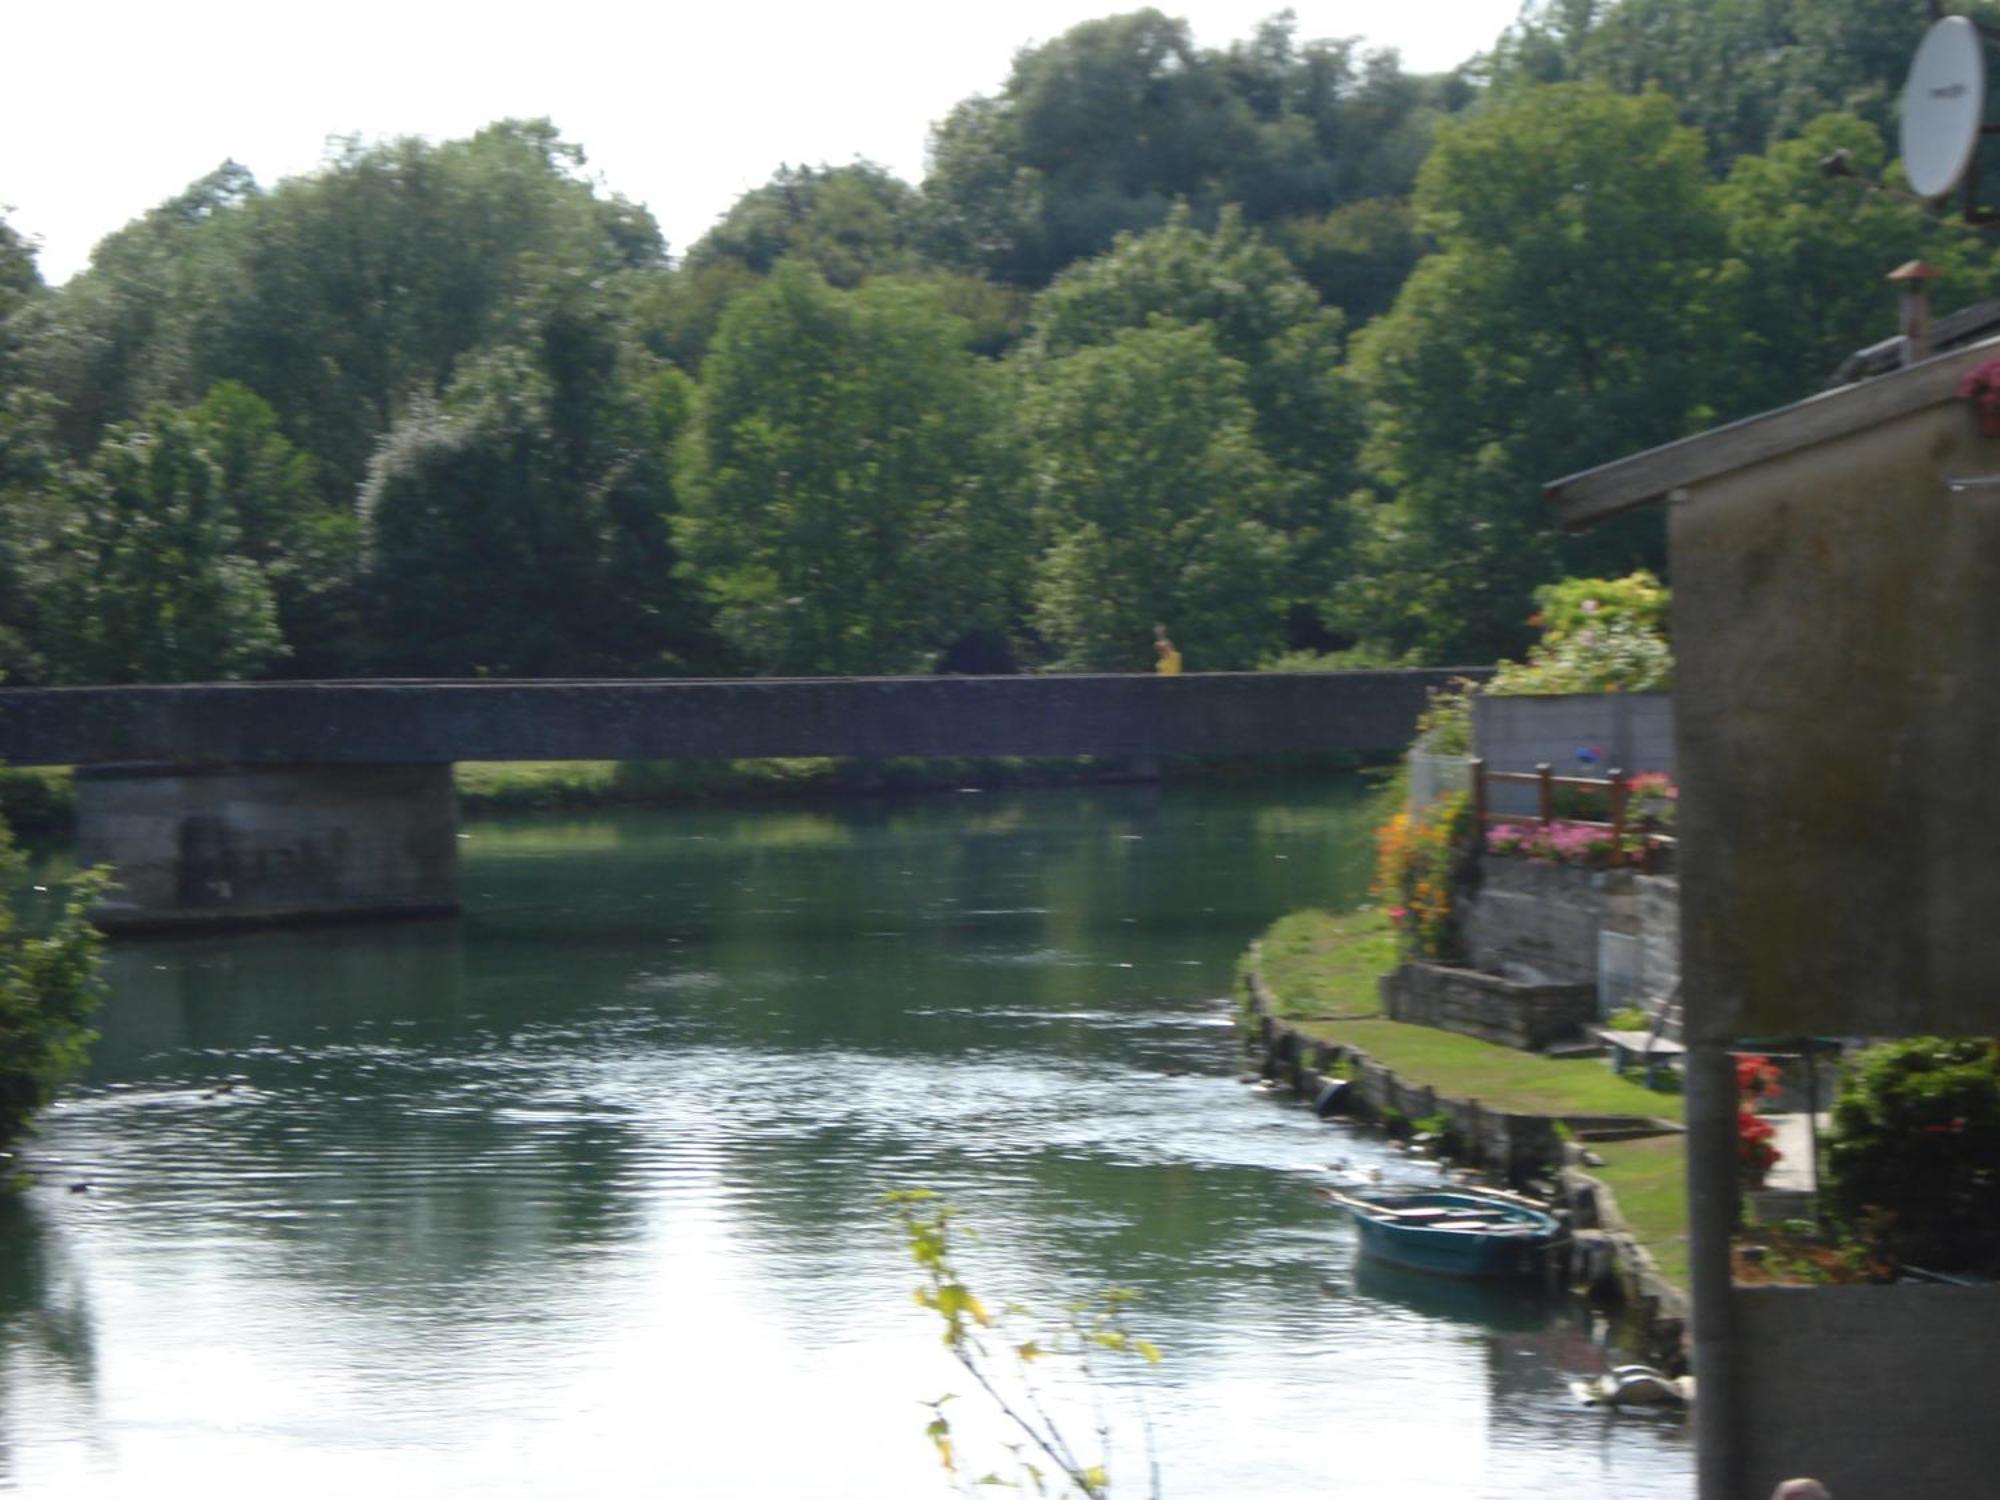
1649, 1180
510, 784
1321, 969
1320, 965
1498, 1077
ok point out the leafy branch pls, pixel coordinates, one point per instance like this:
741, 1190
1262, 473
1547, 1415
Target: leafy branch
1001, 1362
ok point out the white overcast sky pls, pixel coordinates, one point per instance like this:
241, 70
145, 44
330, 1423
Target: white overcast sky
108, 107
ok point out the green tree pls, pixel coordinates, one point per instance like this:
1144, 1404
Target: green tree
308, 550
1803, 285
50, 985
336, 297
851, 503
1306, 413
1566, 319
28, 457
519, 525
1148, 484
1356, 256
1914, 1161
847, 223
1747, 73
1102, 130
143, 581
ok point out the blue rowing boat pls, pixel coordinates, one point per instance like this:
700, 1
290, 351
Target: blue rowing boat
1451, 1233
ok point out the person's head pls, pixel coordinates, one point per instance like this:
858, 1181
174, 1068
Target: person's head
1801, 1489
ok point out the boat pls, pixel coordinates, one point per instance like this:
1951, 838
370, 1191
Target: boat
1452, 1233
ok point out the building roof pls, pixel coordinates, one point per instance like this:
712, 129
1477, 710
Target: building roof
1582, 500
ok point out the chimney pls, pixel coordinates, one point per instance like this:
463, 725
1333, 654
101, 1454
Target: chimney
1910, 279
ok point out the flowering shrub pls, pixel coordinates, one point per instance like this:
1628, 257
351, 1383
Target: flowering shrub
1652, 800
1981, 386
1563, 842
1914, 1160
1756, 1080
1416, 865
1574, 605
1599, 635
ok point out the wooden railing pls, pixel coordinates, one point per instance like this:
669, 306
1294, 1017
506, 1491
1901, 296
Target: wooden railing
1543, 778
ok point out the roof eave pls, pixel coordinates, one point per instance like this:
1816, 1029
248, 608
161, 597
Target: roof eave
1583, 500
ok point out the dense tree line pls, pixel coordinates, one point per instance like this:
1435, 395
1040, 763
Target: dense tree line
1274, 343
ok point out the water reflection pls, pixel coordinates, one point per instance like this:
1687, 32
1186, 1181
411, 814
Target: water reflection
48, 1352
580, 1194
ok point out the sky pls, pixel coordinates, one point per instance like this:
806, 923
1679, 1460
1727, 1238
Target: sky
110, 107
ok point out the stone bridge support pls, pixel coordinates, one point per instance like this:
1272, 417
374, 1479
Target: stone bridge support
240, 845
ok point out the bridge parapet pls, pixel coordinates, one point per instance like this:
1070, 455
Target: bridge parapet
232, 803
409, 722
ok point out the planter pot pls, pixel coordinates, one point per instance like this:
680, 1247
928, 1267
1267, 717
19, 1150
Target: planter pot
1989, 421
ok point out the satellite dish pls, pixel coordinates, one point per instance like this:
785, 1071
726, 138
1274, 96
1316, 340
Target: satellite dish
1943, 104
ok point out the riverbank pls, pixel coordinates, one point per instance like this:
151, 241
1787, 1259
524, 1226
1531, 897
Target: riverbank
40, 801
1311, 999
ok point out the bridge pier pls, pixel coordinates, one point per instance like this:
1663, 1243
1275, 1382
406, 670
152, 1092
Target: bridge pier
230, 846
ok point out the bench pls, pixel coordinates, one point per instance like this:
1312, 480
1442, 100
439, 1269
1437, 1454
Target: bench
1626, 1048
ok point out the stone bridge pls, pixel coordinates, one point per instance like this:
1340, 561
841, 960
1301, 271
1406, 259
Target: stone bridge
232, 803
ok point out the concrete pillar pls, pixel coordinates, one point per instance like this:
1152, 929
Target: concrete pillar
234, 846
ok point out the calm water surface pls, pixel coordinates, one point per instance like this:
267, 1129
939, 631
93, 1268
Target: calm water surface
579, 1195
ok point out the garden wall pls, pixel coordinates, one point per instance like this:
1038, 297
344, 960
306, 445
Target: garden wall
1486, 1006
1515, 1145
1629, 732
1539, 922
1436, 776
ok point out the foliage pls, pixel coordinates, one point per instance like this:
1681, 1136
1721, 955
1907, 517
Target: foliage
1802, 287
1914, 1157
1444, 727
1652, 801
1747, 73
1599, 635
50, 984
1571, 606
37, 799
1001, 1362
30, 458
1148, 486
1614, 658
1306, 414
851, 502
1513, 355
145, 580
1099, 131
519, 526
1419, 861
334, 296
847, 223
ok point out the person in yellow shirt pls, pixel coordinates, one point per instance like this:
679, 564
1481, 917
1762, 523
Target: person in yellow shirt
1168, 660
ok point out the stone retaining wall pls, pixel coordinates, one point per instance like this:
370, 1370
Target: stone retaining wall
1516, 1145
1487, 1006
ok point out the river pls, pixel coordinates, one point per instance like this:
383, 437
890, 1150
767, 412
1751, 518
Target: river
579, 1195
